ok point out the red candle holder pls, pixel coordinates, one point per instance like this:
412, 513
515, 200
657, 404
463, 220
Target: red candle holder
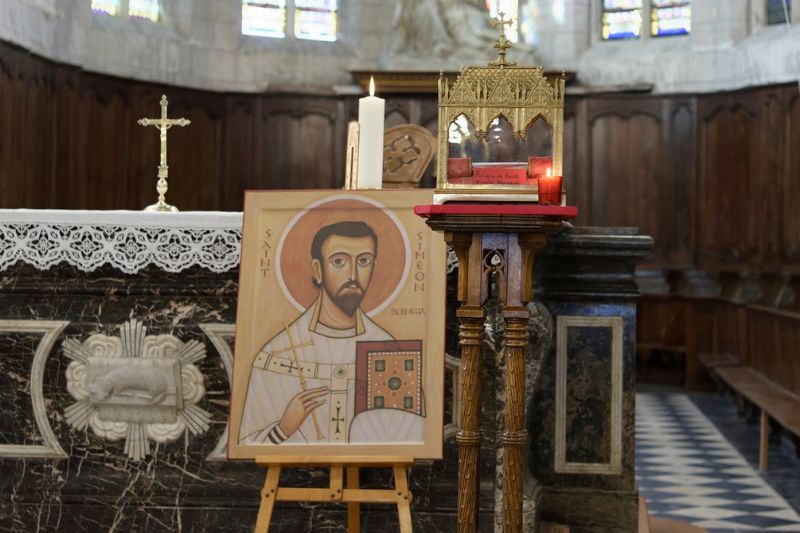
549, 190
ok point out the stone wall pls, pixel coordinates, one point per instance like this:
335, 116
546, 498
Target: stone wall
198, 43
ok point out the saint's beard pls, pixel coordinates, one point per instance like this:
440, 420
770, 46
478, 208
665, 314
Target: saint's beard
348, 297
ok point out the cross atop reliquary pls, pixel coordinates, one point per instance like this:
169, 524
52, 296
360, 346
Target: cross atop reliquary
502, 43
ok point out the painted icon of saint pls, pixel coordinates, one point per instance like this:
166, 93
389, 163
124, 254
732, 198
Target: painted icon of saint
305, 382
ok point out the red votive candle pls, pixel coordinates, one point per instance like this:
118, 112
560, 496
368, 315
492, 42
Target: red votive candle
549, 189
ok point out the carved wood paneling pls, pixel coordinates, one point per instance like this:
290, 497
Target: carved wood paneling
790, 188
628, 177
33, 113
304, 139
729, 331
568, 162
679, 208
769, 176
196, 181
699, 322
397, 111
245, 165
773, 340
292, 147
68, 144
8, 127
727, 225
103, 126
715, 179
662, 323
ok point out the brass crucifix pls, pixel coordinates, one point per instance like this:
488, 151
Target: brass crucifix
163, 124
502, 43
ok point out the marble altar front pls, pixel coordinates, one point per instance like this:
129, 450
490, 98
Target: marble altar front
116, 344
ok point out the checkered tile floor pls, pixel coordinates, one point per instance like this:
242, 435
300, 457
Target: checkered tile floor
686, 470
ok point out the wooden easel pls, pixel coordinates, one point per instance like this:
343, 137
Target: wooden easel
352, 494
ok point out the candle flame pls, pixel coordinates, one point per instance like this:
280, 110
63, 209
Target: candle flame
549, 172
371, 86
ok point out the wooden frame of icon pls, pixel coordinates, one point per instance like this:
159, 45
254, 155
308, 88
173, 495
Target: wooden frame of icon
340, 327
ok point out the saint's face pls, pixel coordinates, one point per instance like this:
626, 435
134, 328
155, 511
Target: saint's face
346, 270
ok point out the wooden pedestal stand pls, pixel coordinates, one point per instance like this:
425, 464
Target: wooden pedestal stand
337, 492
493, 240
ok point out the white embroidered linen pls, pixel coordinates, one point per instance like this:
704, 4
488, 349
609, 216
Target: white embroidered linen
127, 240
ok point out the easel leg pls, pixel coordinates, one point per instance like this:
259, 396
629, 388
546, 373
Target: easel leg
268, 496
353, 508
337, 482
403, 498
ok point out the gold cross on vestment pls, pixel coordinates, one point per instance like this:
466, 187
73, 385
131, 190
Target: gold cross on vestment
303, 383
502, 43
292, 348
163, 124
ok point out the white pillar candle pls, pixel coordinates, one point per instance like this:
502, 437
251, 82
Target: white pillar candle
370, 149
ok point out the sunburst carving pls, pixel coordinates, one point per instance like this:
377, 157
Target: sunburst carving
136, 386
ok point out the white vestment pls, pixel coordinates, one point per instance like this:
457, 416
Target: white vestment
326, 358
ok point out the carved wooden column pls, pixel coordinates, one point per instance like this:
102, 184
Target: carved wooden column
471, 315
521, 248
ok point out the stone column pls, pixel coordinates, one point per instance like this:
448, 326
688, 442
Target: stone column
584, 461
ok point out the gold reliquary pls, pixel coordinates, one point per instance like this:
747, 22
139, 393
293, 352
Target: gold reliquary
501, 128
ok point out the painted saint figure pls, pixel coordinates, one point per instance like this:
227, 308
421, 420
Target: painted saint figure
302, 384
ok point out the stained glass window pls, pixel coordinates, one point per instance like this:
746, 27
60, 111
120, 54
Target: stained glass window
264, 18
109, 7
315, 19
511, 10
670, 17
775, 12
145, 9
622, 19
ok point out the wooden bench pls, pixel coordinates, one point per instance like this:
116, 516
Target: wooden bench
774, 402
713, 360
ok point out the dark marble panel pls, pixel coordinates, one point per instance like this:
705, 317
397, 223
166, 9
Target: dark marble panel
17, 425
585, 444
176, 488
287, 518
588, 502
588, 272
588, 394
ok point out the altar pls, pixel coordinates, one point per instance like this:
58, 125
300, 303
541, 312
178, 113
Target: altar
98, 279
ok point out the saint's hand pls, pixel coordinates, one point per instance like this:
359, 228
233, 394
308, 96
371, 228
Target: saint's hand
300, 406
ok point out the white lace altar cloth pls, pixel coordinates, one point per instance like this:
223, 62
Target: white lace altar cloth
127, 240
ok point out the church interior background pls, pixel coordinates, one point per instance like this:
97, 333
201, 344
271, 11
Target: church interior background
681, 123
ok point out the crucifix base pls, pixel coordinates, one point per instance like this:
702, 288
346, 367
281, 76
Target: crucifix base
163, 208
